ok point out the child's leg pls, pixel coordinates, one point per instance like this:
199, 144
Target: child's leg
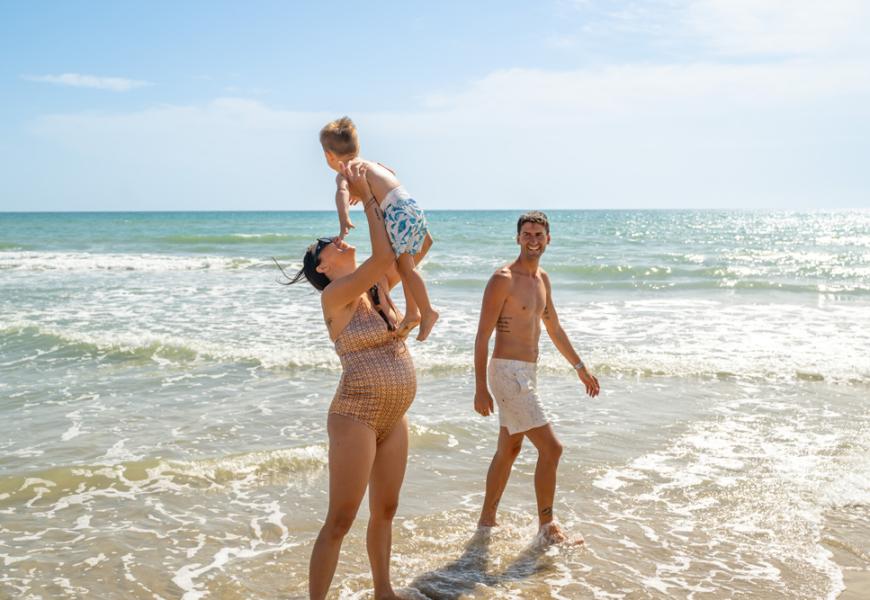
427, 243
412, 312
415, 287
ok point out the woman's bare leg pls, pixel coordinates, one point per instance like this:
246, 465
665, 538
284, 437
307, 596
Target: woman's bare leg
351, 455
386, 481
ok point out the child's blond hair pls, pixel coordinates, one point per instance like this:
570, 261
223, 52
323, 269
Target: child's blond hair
339, 137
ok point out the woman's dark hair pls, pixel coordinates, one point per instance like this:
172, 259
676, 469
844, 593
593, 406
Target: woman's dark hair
309, 269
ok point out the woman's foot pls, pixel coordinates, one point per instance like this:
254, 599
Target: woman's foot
426, 324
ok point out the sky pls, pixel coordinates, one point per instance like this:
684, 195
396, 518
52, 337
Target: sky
579, 104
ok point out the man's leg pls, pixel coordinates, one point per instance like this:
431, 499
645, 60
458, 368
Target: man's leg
549, 452
498, 474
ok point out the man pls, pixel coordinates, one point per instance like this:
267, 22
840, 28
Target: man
517, 298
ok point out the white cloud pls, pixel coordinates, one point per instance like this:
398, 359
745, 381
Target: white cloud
228, 153
794, 27
114, 84
651, 89
735, 28
701, 135
562, 42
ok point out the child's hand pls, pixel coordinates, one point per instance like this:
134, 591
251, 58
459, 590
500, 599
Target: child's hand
346, 226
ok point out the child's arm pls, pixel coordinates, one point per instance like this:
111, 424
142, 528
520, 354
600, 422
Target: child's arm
342, 204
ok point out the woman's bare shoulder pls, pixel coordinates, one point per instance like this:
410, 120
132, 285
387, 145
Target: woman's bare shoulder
337, 317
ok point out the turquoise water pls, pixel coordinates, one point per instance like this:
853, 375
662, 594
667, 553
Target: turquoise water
163, 401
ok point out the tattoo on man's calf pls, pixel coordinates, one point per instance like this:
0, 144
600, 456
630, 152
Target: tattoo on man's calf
547, 512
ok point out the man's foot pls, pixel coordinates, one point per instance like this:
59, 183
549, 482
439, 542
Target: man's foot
407, 325
486, 522
550, 533
426, 324
388, 594
409, 594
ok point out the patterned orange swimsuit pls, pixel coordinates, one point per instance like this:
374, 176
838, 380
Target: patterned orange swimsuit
378, 382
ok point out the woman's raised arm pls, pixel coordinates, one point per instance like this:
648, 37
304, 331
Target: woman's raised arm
346, 289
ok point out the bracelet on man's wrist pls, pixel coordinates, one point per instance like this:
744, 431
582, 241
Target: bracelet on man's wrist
579, 366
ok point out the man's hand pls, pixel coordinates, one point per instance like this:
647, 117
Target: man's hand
355, 174
483, 402
590, 381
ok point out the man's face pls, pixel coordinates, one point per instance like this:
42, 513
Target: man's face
533, 239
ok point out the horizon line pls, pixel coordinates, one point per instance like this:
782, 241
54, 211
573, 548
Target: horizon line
435, 210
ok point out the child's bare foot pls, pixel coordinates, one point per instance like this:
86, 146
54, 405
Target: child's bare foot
550, 533
426, 324
407, 325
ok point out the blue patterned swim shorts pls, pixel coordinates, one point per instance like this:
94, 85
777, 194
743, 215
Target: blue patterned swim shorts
405, 221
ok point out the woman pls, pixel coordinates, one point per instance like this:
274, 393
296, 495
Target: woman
368, 430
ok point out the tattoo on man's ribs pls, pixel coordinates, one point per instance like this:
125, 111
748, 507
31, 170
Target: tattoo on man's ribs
504, 324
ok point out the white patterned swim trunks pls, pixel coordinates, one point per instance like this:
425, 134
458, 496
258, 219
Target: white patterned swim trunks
514, 385
405, 221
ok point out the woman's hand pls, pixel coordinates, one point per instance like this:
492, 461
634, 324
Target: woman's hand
355, 175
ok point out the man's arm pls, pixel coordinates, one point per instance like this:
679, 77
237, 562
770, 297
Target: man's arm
342, 205
563, 344
494, 296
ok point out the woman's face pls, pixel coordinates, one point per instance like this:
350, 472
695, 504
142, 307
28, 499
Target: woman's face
338, 256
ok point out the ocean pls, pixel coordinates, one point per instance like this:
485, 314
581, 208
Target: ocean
163, 407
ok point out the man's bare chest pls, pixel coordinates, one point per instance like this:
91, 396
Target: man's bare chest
527, 300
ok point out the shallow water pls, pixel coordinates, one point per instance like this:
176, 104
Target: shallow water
163, 410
